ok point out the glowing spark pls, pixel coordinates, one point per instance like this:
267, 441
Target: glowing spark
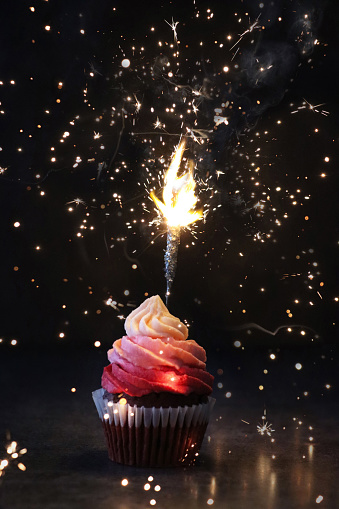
174, 25
235, 54
77, 202
265, 428
198, 134
157, 123
195, 108
290, 275
12, 455
199, 93
220, 120
112, 303
249, 30
191, 133
314, 108
137, 104
177, 208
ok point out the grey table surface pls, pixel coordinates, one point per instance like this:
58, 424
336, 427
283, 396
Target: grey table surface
67, 465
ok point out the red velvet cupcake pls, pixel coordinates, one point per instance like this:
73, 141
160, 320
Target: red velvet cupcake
155, 398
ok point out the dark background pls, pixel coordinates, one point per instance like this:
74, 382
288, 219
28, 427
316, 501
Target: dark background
62, 287
82, 273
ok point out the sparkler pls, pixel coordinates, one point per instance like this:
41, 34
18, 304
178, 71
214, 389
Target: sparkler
177, 208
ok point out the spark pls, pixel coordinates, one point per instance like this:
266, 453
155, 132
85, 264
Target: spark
195, 108
235, 54
192, 135
197, 134
220, 120
157, 124
199, 93
265, 428
174, 25
290, 275
258, 205
112, 303
137, 104
13, 455
312, 107
252, 27
77, 201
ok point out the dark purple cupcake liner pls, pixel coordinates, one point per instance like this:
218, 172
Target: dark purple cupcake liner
153, 437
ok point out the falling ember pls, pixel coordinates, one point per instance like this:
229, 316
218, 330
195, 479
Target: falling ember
177, 208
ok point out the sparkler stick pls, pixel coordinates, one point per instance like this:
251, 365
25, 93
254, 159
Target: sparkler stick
171, 257
177, 208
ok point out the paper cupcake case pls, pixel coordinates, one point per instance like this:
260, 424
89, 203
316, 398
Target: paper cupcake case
152, 437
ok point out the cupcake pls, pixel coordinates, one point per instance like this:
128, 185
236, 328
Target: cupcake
155, 401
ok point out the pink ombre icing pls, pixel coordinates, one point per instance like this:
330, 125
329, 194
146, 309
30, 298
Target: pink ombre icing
155, 356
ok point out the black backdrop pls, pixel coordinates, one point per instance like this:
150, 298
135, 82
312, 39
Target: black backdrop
213, 284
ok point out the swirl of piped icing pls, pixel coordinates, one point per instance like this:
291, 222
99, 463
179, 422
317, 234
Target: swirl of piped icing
141, 365
155, 356
152, 319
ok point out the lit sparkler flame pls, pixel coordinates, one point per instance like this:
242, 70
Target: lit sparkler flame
177, 208
179, 199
